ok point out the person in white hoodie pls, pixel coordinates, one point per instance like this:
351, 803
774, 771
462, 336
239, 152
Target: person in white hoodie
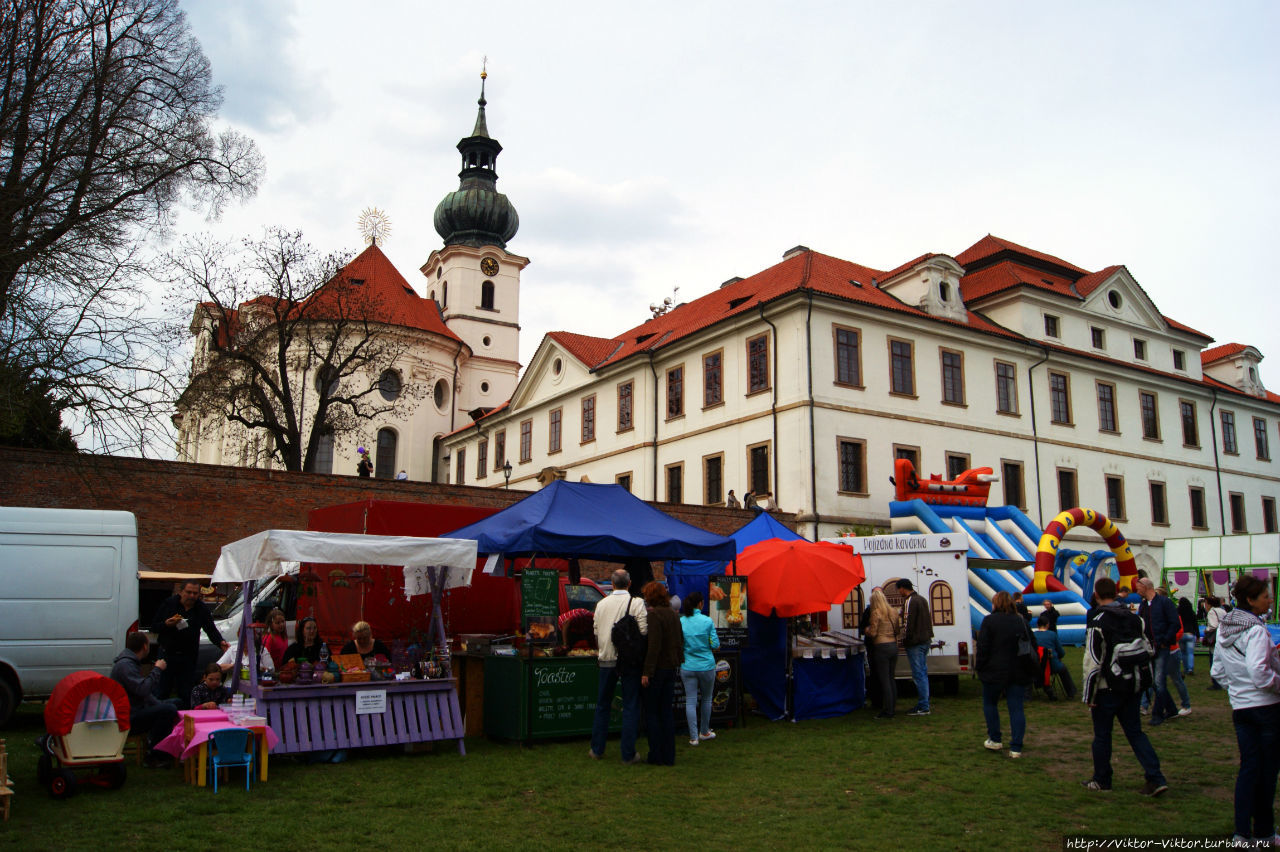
1248, 666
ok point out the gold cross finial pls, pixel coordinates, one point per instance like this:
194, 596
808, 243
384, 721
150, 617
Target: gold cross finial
484, 65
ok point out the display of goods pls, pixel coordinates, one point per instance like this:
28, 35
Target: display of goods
284, 676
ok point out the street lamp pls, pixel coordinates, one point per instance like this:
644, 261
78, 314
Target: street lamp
506, 472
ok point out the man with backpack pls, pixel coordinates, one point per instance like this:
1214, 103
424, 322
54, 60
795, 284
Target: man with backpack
621, 624
1117, 668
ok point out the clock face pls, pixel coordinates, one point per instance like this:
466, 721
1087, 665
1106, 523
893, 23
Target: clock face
489, 266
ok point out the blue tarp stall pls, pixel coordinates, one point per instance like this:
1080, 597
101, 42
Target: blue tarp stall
592, 521
764, 660
822, 688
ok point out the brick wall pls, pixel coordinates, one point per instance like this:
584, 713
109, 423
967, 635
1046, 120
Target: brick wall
186, 512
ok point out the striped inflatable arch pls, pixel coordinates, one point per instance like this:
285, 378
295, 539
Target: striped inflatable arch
1043, 579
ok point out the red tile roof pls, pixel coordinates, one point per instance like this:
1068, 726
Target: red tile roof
589, 350
1007, 274
990, 246
1217, 353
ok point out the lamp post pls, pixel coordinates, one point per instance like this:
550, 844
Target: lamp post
506, 472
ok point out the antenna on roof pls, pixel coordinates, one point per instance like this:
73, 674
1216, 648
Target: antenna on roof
666, 304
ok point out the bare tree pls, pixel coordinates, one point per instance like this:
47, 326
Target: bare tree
105, 125
288, 346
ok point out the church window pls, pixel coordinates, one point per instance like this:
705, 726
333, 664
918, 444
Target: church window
486, 295
440, 392
384, 465
389, 385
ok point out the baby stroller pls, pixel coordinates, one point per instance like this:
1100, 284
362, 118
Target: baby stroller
87, 720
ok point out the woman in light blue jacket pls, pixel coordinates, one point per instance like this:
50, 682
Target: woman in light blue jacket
698, 672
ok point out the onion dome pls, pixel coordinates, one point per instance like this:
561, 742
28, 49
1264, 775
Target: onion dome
476, 214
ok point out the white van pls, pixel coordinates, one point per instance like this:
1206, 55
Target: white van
938, 568
68, 596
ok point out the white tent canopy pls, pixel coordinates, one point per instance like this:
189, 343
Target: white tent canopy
269, 552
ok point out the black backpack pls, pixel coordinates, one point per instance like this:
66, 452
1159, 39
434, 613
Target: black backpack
1128, 669
628, 641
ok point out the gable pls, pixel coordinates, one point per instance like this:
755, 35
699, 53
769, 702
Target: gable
1114, 294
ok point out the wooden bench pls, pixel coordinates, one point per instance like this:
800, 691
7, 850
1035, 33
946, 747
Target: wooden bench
6, 783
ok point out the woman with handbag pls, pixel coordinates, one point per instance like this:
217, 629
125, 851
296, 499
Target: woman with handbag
1007, 662
882, 636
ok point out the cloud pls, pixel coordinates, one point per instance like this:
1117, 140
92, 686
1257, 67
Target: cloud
253, 48
565, 209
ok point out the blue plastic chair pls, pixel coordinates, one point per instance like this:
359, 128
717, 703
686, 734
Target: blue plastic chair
230, 747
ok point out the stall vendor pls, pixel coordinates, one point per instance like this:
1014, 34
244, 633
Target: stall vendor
276, 640
307, 648
363, 643
178, 623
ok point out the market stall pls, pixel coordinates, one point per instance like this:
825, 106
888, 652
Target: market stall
397, 708
548, 688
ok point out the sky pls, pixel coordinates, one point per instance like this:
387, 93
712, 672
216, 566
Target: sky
662, 145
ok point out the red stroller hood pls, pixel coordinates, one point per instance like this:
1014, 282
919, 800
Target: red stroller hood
64, 704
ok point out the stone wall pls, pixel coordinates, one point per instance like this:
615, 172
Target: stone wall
186, 512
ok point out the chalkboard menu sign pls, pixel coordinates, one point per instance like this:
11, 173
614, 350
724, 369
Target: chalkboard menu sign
727, 606
726, 691
539, 595
564, 697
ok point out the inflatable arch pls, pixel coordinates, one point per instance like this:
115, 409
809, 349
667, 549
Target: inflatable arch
1046, 551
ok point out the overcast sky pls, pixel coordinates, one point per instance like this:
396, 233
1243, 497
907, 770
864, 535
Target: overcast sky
650, 146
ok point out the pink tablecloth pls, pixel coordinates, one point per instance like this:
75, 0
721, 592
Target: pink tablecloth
206, 721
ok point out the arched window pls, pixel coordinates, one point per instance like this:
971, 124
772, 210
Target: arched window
327, 380
941, 603
384, 466
389, 385
486, 295
444, 295
323, 461
440, 394
437, 447
851, 610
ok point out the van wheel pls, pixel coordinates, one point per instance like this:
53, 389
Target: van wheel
8, 701
951, 685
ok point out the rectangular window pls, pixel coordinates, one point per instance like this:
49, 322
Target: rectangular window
499, 450
758, 467
1059, 399
1197, 508
553, 429
1067, 495
1140, 349
1268, 514
1179, 359
675, 392
482, 458
1150, 416
712, 379
1098, 337
526, 440
853, 466
624, 405
1106, 407
1014, 492
1229, 433
911, 454
675, 483
1260, 438
952, 377
758, 364
957, 463
1006, 388
1115, 497
623, 479
462, 466
1190, 431
1050, 325
1237, 512
713, 479
848, 357
902, 374
1159, 506
588, 419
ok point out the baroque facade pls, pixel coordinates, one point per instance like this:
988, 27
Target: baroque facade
457, 348
809, 378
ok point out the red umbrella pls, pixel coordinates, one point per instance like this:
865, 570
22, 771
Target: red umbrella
798, 577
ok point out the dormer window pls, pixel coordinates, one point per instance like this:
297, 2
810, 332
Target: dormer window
944, 291
1179, 359
1050, 326
1098, 336
1140, 349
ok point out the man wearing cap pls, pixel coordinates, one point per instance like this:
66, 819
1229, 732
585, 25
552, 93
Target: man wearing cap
178, 623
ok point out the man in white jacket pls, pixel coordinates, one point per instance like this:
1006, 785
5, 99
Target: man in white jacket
608, 611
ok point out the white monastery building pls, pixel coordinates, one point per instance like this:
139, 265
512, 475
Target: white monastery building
806, 380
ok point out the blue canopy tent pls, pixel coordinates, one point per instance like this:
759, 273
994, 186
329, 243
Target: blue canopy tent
686, 576
591, 521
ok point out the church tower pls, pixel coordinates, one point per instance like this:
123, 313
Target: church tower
474, 279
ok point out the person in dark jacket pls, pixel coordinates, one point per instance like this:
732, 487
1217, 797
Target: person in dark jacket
1020, 607
1046, 637
147, 714
1161, 622
1190, 635
917, 630
177, 624
998, 670
662, 660
1052, 612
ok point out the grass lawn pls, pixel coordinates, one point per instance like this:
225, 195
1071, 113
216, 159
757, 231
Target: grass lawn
847, 783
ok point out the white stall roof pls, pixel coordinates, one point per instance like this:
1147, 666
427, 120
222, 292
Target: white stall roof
1214, 551
274, 552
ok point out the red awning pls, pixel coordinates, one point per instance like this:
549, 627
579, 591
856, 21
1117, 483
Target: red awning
63, 709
